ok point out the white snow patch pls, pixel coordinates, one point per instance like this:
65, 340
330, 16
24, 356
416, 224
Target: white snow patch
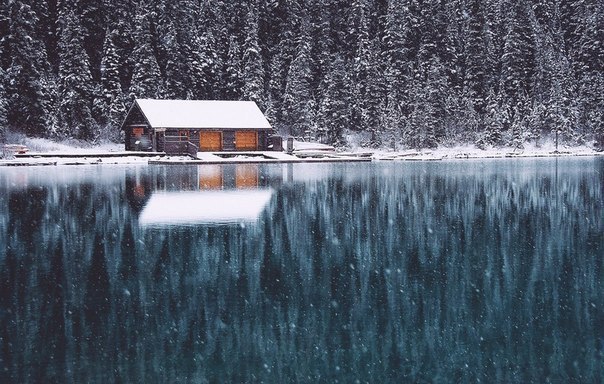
472, 152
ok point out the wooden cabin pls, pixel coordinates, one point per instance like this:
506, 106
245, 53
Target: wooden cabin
209, 125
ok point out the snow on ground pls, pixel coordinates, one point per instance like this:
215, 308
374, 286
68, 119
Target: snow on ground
84, 153
309, 146
40, 145
471, 152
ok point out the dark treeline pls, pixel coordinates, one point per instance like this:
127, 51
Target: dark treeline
411, 73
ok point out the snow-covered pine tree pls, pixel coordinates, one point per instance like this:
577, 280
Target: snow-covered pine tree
595, 114
516, 135
561, 110
233, 76
463, 123
587, 60
425, 128
146, 76
3, 95
475, 55
363, 107
298, 92
333, 114
252, 65
93, 23
203, 63
27, 85
171, 56
495, 121
217, 19
397, 74
123, 13
4, 32
392, 122
75, 86
185, 53
285, 25
109, 107
518, 65
374, 96
47, 10
3, 104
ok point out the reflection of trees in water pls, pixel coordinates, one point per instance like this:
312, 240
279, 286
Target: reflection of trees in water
420, 277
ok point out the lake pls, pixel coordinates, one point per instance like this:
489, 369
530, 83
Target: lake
456, 271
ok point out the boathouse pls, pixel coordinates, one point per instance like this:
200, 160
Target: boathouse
195, 125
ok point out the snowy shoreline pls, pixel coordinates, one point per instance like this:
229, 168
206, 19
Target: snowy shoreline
45, 152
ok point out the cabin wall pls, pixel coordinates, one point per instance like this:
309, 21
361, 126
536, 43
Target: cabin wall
142, 137
214, 140
137, 133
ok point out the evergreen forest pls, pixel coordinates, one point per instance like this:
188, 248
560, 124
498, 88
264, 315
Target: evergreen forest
394, 73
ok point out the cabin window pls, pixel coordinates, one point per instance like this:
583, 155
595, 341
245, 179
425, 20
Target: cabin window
138, 131
183, 135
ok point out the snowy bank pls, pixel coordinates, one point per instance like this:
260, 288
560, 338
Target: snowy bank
46, 152
471, 152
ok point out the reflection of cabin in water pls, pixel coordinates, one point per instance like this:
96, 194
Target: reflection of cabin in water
213, 177
158, 125
207, 194
141, 184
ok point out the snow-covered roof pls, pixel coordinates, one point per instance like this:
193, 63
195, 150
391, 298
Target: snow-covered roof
202, 114
205, 207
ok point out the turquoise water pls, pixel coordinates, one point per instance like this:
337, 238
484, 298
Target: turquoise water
463, 271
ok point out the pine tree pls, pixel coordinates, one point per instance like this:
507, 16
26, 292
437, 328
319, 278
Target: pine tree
595, 113
518, 59
47, 10
475, 54
217, 20
587, 60
518, 69
109, 107
392, 120
365, 82
123, 12
298, 93
561, 110
253, 74
146, 76
333, 116
233, 76
28, 92
286, 18
397, 73
75, 87
425, 128
3, 105
92, 24
175, 84
496, 122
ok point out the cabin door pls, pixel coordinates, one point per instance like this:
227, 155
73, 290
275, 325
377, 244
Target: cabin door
246, 140
210, 141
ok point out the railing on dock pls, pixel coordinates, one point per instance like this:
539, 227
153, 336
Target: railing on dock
180, 145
